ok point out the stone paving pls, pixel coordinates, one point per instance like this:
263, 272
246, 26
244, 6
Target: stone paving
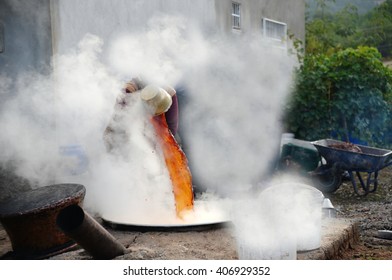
212, 243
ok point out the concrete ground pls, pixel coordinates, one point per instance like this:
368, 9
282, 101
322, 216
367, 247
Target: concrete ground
209, 243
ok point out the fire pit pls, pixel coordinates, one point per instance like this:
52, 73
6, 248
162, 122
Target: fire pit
30, 220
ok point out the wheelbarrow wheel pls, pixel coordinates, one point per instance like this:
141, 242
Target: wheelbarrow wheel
327, 178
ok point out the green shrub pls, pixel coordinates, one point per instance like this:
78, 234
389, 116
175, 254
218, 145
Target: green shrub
347, 93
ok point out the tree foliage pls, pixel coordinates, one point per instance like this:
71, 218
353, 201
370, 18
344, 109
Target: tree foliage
345, 93
377, 28
328, 32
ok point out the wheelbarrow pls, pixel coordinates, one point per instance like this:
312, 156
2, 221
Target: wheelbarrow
338, 161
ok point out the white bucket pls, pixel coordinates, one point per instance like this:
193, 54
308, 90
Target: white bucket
283, 219
299, 206
259, 235
284, 249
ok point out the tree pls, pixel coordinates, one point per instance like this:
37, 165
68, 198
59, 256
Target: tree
377, 28
347, 94
328, 32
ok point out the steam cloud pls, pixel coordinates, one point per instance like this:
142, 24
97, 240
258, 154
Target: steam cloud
230, 127
234, 92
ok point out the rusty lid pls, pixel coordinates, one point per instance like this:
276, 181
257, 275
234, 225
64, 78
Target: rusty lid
42, 198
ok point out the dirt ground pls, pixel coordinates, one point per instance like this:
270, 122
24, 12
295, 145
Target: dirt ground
373, 213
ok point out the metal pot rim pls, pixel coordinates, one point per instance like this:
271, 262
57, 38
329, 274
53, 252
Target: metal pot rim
41, 199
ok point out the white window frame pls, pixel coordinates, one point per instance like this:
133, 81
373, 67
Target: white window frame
266, 34
236, 15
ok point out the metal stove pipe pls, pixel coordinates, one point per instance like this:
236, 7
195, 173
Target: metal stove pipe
88, 233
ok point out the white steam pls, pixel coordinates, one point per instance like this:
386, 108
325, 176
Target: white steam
230, 127
161, 52
232, 124
281, 220
48, 115
234, 90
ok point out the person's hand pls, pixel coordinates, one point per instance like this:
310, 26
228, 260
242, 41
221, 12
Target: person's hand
134, 85
131, 87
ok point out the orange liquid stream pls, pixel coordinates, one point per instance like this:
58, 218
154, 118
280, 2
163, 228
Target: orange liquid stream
177, 165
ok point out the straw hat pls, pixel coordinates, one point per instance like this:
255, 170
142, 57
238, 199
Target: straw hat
157, 98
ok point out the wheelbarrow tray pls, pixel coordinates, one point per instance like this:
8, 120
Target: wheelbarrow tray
369, 160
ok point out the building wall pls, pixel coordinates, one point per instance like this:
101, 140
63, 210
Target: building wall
28, 25
291, 12
73, 18
34, 30
253, 11
26, 47
27, 36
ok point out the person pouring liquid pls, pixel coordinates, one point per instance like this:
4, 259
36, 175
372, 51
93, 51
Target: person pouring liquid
162, 108
159, 100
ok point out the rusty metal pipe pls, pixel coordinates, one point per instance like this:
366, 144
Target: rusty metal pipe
88, 233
